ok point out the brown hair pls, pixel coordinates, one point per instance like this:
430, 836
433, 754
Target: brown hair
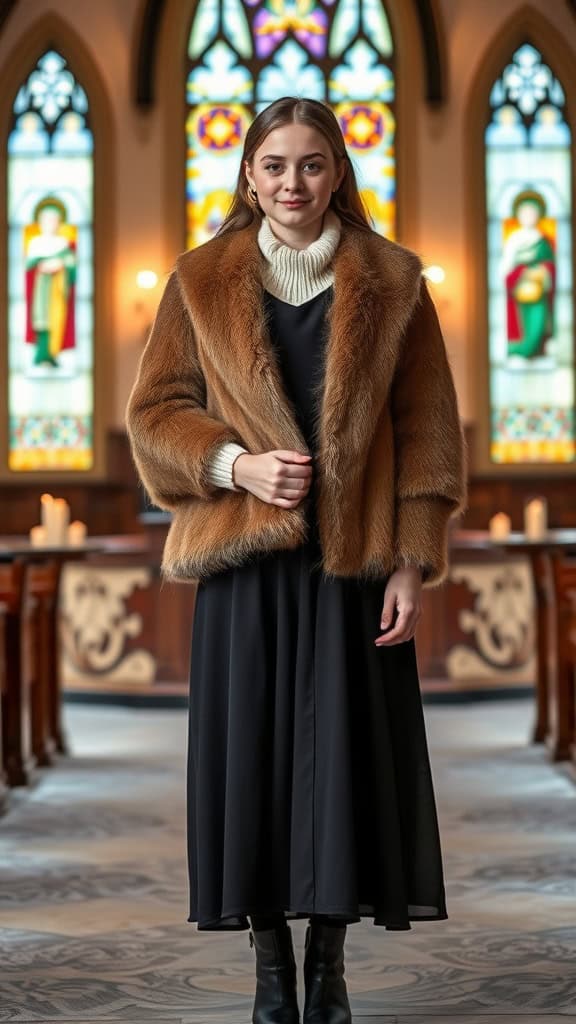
346, 201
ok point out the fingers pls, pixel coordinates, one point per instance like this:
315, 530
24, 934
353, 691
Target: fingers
389, 608
291, 481
403, 629
280, 477
289, 497
289, 456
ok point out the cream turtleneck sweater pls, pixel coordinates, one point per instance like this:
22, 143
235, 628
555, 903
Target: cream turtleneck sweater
295, 276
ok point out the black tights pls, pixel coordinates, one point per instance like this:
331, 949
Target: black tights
261, 922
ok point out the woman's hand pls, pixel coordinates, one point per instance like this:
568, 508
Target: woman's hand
277, 477
402, 607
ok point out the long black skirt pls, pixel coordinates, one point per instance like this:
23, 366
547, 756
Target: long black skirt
309, 782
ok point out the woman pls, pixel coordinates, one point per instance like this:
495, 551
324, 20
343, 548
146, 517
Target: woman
294, 409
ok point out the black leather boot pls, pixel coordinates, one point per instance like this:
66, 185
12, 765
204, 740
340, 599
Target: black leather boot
326, 1000
276, 1001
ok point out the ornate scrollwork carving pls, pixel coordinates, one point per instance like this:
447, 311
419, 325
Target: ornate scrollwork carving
96, 624
501, 623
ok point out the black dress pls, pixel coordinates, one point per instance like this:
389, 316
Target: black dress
309, 783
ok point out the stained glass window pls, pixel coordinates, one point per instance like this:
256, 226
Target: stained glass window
244, 54
50, 288
530, 299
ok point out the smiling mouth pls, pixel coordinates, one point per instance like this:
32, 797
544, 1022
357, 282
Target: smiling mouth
293, 202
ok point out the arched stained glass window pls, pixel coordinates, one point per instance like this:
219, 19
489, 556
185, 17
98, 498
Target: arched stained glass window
244, 54
50, 276
530, 276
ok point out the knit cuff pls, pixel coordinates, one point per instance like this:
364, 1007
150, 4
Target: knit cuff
220, 467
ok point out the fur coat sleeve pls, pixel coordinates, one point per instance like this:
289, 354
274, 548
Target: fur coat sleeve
172, 436
428, 442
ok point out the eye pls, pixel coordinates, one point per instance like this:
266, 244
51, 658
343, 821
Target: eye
272, 167
313, 165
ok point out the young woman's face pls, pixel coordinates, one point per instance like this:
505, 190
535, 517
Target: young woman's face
294, 174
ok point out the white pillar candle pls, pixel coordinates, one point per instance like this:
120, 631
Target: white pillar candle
500, 526
38, 536
76, 533
536, 518
59, 520
46, 503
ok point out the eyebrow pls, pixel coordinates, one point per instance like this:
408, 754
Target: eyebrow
272, 156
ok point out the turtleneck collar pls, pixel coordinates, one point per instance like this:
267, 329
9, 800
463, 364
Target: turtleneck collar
297, 275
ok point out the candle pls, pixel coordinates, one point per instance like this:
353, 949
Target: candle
46, 503
536, 518
38, 536
55, 518
77, 533
59, 521
48, 521
500, 526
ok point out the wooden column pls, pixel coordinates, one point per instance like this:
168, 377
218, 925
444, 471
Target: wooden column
561, 736
543, 590
16, 746
3, 682
41, 590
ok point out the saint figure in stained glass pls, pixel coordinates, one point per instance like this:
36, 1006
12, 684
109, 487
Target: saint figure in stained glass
530, 271
50, 245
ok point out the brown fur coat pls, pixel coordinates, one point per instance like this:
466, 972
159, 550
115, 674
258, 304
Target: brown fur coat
390, 463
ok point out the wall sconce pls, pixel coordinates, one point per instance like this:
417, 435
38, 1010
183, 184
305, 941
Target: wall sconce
435, 274
147, 279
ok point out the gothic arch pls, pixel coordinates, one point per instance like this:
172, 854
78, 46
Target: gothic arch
150, 27
175, 29
526, 25
50, 31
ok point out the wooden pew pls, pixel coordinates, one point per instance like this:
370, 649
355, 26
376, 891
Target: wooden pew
16, 734
561, 738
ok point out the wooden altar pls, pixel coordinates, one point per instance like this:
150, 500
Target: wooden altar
127, 632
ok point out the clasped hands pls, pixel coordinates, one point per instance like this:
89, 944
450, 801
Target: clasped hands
283, 478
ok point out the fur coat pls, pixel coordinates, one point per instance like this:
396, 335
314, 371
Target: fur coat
389, 463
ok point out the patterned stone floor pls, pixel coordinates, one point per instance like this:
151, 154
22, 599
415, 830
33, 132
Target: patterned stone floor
93, 888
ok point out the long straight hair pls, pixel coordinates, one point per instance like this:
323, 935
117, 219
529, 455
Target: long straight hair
346, 201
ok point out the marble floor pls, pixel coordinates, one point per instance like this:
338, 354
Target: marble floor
93, 888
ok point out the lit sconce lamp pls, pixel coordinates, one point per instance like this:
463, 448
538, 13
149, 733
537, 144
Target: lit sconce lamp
435, 274
147, 279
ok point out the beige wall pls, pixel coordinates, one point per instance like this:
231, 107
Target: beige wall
140, 195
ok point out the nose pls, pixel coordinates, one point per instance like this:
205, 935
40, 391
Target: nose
293, 180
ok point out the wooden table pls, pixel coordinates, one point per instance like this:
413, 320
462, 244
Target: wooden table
31, 700
555, 695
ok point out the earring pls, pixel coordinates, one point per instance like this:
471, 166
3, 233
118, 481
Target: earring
252, 195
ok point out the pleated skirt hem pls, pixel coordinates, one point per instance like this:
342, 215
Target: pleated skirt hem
236, 919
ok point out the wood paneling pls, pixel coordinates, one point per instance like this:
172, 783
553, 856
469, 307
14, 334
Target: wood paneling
107, 507
113, 506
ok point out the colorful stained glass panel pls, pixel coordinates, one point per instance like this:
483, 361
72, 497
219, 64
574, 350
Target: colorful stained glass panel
243, 56
50, 274
530, 283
